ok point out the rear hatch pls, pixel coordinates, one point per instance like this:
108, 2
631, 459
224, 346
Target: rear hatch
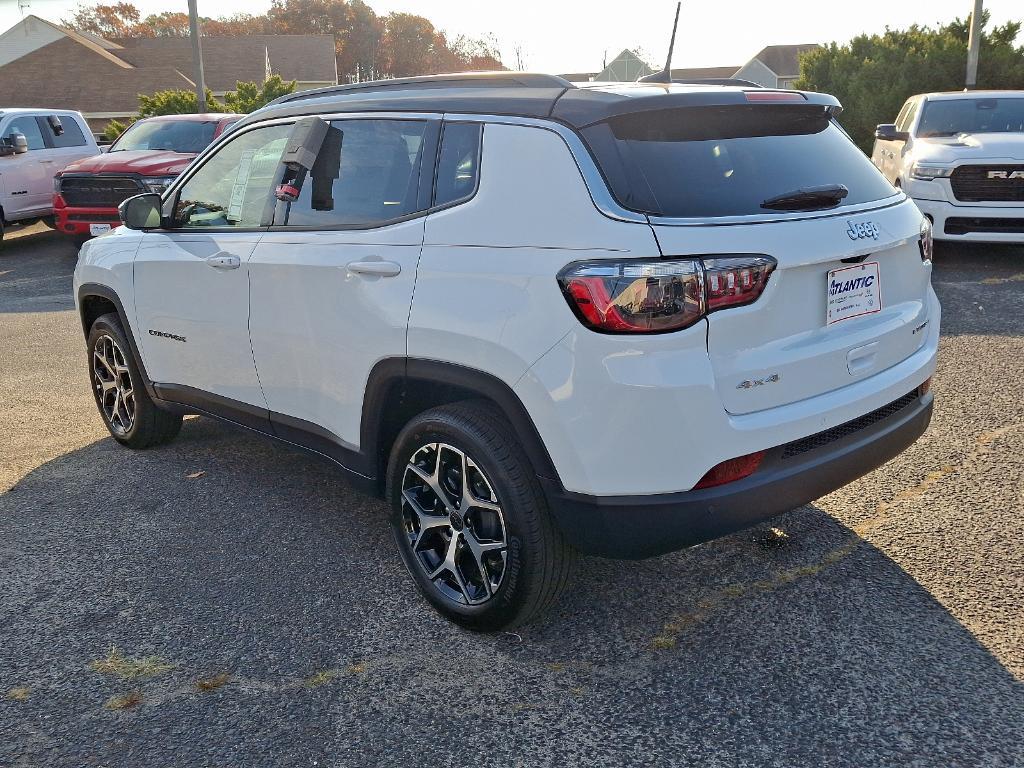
849, 295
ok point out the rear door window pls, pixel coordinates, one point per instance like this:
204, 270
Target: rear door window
699, 162
70, 136
367, 174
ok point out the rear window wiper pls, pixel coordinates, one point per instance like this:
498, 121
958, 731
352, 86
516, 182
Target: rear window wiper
808, 198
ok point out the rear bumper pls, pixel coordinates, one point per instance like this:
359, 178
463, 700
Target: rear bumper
974, 223
635, 527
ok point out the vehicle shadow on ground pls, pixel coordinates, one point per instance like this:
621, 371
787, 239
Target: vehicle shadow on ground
981, 288
224, 553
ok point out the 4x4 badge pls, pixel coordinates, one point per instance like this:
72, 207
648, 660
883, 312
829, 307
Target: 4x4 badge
862, 230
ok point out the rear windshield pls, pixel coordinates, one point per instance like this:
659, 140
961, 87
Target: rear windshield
726, 161
187, 136
948, 117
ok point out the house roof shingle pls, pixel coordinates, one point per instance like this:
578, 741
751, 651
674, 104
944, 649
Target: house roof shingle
226, 60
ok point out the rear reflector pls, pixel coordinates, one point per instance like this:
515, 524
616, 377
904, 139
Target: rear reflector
774, 96
923, 389
730, 470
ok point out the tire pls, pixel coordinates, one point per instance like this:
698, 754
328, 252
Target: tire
510, 560
135, 420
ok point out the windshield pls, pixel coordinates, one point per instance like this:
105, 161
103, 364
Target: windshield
948, 117
730, 161
187, 136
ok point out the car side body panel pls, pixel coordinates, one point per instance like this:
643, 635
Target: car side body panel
486, 295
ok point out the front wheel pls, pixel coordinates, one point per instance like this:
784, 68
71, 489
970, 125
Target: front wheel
470, 520
127, 410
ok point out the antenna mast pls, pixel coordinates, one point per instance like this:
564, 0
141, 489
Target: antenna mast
665, 76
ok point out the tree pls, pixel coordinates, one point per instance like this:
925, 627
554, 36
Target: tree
175, 102
168, 24
113, 20
248, 97
115, 128
873, 75
238, 25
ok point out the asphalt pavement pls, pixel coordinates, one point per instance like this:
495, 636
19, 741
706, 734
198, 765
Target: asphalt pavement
224, 601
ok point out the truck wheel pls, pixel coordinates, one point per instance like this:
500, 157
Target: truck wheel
127, 410
470, 519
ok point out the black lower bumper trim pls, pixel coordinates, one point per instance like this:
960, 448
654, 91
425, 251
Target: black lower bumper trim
635, 527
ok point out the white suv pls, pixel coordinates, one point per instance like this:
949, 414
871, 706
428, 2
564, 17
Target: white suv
540, 319
960, 156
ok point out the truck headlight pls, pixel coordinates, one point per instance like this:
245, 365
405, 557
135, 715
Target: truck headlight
929, 172
158, 183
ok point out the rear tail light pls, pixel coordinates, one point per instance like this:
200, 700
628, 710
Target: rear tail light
926, 244
730, 470
736, 280
660, 295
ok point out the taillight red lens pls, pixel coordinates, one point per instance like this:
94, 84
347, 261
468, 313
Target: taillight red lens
661, 295
649, 296
733, 281
731, 470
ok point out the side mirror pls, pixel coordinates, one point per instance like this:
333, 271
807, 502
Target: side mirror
18, 143
888, 132
141, 212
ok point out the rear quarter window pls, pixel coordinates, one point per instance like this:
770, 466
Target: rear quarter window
705, 162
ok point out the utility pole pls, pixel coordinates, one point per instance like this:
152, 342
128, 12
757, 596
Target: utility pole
197, 54
973, 45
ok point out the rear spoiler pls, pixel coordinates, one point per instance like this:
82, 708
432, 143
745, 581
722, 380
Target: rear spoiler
578, 107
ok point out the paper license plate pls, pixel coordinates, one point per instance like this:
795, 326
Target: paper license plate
98, 229
852, 292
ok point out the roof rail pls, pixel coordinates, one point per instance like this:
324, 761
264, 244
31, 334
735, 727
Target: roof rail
454, 80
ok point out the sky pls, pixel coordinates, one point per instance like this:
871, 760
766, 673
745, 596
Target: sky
573, 36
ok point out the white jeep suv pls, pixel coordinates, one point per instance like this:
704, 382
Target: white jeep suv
539, 319
960, 156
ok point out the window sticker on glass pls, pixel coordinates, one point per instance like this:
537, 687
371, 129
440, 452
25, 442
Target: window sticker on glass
238, 188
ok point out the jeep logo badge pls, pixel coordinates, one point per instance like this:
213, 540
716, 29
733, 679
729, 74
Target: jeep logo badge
862, 230
1007, 175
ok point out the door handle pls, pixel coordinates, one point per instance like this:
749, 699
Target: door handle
375, 268
224, 261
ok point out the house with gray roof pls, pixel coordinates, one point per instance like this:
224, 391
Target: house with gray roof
775, 66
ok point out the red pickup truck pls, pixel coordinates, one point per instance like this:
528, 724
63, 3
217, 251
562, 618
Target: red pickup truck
145, 158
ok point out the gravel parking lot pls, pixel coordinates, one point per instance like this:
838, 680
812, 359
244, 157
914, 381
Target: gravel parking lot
227, 602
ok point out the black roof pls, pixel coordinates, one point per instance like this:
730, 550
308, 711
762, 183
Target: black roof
516, 94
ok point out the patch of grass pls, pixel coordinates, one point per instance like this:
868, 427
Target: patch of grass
356, 669
663, 642
213, 683
322, 677
124, 701
115, 663
19, 693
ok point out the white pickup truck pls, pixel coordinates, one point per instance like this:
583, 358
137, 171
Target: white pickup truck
35, 144
960, 156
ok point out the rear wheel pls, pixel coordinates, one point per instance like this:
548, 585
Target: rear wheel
470, 520
127, 410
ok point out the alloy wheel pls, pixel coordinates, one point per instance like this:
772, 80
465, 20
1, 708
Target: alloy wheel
113, 383
454, 523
